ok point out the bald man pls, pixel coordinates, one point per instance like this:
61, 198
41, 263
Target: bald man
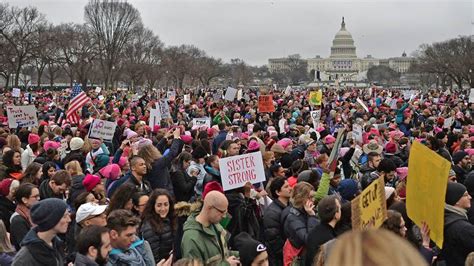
204, 238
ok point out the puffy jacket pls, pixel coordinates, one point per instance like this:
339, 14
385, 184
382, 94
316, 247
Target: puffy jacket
35, 251
297, 226
458, 237
274, 237
159, 174
201, 242
161, 243
245, 216
183, 185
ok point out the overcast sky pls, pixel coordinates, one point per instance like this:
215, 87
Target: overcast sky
260, 29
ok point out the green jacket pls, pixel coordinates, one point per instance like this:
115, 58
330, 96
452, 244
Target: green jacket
217, 119
202, 243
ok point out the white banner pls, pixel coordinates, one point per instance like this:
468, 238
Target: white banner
101, 129
203, 121
230, 94
240, 169
164, 109
98, 89
22, 116
16, 92
316, 116
357, 133
155, 118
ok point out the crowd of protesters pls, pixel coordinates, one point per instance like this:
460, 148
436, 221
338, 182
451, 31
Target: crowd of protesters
153, 195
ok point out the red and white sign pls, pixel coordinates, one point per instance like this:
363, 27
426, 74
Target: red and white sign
240, 169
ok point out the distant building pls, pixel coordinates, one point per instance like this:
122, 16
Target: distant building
343, 63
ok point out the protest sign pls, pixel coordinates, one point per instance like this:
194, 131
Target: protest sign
471, 96
393, 104
230, 94
316, 116
100, 97
217, 96
22, 116
315, 97
357, 133
239, 94
101, 129
427, 176
155, 118
369, 209
332, 161
171, 95
16, 92
363, 105
448, 122
164, 109
98, 89
265, 104
288, 90
203, 121
240, 169
187, 99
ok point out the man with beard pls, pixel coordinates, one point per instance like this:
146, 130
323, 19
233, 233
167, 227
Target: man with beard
93, 246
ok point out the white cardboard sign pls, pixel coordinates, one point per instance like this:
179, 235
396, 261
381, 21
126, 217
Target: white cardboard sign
230, 94
187, 99
171, 95
203, 121
102, 129
16, 92
240, 169
471, 96
357, 133
316, 116
164, 109
22, 116
155, 118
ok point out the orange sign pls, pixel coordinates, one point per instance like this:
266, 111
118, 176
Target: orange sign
265, 104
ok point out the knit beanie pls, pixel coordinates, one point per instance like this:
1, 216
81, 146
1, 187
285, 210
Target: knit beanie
90, 181
348, 189
7, 184
458, 156
211, 186
111, 171
248, 248
76, 144
47, 213
33, 138
454, 192
469, 183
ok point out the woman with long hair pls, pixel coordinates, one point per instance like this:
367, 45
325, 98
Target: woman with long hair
183, 183
49, 169
122, 198
13, 143
7, 252
139, 201
12, 162
32, 174
77, 176
159, 224
20, 223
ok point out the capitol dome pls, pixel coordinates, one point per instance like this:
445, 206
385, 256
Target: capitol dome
343, 44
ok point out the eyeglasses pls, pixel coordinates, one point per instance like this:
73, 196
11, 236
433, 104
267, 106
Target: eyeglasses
219, 210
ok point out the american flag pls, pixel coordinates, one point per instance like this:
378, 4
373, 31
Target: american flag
78, 100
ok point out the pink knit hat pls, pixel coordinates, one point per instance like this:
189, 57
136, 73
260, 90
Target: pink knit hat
285, 142
253, 145
90, 182
111, 171
33, 138
51, 145
329, 139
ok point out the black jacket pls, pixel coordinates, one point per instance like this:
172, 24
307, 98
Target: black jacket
320, 234
143, 187
77, 155
158, 175
76, 188
461, 173
297, 226
470, 212
274, 237
161, 243
458, 238
19, 228
183, 185
35, 251
7, 208
46, 192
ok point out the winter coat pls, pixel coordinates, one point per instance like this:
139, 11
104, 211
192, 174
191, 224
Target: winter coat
76, 188
138, 254
35, 251
19, 228
182, 211
83, 260
320, 234
27, 157
458, 236
461, 173
77, 155
274, 237
183, 185
133, 181
6, 259
161, 243
204, 244
297, 226
159, 174
216, 143
7, 208
46, 192
245, 217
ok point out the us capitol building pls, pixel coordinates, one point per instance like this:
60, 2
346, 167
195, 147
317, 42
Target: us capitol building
343, 63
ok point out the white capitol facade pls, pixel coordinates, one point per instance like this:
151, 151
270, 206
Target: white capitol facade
343, 63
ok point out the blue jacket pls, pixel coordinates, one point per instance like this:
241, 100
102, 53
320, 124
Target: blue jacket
218, 141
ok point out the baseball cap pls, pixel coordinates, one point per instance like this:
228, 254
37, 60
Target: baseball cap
89, 209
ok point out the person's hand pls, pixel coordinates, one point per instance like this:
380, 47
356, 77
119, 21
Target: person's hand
261, 194
247, 189
309, 207
425, 234
233, 261
124, 144
168, 134
176, 133
164, 262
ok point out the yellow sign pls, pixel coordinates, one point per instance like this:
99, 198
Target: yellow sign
369, 209
426, 189
315, 97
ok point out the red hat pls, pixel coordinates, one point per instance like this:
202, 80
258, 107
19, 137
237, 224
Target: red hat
211, 186
5, 186
43, 123
187, 139
391, 147
156, 128
33, 138
90, 181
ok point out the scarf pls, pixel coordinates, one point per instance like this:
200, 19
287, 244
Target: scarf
24, 212
456, 210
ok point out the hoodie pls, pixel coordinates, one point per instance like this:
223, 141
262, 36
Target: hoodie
35, 251
139, 254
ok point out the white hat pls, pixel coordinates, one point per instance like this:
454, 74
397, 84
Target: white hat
76, 143
89, 209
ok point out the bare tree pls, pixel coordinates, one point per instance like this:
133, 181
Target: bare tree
112, 24
181, 61
19, 27
208, 68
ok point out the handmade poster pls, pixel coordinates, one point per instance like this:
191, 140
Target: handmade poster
22, 116
315, 97
369, 209
236, 171
101, 129
230, 94
265, 104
